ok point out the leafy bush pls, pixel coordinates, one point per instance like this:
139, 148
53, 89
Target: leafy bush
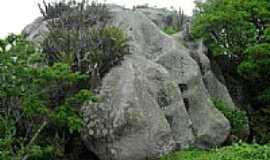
174, 21
81, 38
38, 105
170, 30
255, 70
235, 152
256, 63
109, 47
54, 10
66, 10
230, 26
260, 119
101, 49
237, 34
264, 97
238, 119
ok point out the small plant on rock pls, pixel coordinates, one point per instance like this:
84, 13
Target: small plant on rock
238, 119
80, 36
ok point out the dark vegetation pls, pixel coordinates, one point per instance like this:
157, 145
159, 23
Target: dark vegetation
237, 33
41, 90
38, 105
238, 119
80, 36
235, 152
174, 22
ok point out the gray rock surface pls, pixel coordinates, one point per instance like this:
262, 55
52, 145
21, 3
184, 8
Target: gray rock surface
212, 76
157, 15
160, 16
156, 101
141, 115
36, 31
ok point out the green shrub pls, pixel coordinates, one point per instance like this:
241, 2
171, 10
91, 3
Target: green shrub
264, 97
38, 105
170, 30
81, 38
174, 21
255, 70
256, 63
238, 119
235, 152
53, 10
239, 43
109, 45
260, 119
71, 9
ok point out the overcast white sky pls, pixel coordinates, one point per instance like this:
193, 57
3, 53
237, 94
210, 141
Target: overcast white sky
16, 14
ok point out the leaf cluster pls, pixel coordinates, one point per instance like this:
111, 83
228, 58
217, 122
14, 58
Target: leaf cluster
80, 37
31, 114
238, 119
237, 35
174, 22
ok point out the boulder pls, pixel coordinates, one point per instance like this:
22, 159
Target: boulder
140, 116
36, 31
157, 100
192, 119
211, 73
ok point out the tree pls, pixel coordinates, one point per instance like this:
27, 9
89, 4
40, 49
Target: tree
34, 121
237, 35
231, 26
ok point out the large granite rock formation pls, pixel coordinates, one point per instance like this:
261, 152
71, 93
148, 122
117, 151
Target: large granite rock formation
157, 100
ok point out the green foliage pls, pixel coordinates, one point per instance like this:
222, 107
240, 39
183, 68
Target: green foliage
259, 122
53, 10
256, 70
109, 45
235, 152
264, 97
36, 103
79, 37
170, 30
238, 119
66, 115
174, 21
230, 26
71, 9
238, 36
257, 62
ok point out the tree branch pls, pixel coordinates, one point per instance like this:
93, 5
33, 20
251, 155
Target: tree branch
43, 125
